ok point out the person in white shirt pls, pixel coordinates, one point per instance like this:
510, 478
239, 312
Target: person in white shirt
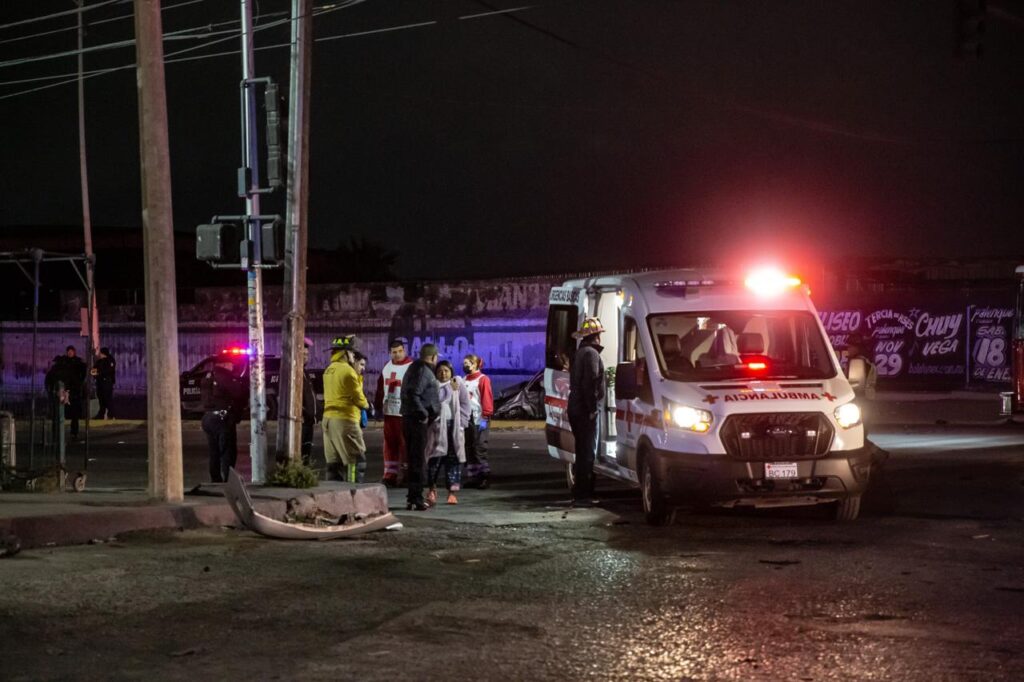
481, 398
387, 403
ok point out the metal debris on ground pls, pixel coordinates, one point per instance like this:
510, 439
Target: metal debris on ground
320, 526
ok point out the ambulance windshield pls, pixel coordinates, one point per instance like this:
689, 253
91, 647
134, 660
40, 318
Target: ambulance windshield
732, 344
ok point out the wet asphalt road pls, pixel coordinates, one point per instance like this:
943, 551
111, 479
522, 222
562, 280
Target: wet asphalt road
511, 584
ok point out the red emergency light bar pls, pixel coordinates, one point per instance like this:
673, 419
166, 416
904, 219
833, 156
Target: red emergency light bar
237, 350
770, 281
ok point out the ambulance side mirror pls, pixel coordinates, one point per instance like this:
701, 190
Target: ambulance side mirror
856, 373
625, 381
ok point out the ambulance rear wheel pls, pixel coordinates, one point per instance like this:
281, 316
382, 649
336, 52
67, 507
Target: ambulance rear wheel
848, 508
656, 509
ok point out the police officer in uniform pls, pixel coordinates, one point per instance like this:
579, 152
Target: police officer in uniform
223, 397
105, 373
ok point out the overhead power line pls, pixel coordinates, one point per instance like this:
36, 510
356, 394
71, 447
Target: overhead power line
167, 58
120, 44
97, 22
656, 76
57, 15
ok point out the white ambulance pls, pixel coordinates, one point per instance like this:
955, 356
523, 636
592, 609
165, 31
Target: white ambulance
721, 391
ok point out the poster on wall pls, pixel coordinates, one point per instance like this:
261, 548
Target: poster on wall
905, 342
991, 329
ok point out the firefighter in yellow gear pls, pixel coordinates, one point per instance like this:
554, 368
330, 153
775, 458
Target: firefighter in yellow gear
344, 448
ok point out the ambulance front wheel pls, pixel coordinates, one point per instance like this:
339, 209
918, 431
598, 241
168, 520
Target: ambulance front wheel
848, 508
656, 508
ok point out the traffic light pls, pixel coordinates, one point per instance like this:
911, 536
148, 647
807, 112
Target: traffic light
272, 241
968, 27
276, 137
218, 243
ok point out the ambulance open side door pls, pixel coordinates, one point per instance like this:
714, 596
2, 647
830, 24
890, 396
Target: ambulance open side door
567, 306
606, 306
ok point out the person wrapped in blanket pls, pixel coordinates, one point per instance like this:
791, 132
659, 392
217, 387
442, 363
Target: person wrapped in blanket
446, 439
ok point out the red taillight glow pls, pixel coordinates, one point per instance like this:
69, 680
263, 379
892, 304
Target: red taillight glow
757, 366
770, 281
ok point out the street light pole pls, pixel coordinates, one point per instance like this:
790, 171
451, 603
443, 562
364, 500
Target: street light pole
252, 261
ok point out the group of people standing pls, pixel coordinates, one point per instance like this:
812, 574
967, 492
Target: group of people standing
65, 383
434, 422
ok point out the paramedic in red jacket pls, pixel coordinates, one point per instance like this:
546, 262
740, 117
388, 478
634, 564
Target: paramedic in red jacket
481, 399
388, 403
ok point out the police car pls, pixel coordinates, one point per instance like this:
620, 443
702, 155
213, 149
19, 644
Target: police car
726, 391
240, 358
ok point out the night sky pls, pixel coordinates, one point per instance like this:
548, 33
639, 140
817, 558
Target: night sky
573, 134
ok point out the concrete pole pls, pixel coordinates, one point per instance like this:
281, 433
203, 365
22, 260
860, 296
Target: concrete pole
92, 325
163, 404
257, 366
83, 167
289, 422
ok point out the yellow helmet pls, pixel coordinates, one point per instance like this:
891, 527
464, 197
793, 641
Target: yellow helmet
344, 343
590, 326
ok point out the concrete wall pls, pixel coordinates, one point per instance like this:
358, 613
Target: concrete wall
503, 322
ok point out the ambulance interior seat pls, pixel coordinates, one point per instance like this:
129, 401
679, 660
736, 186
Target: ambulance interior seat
749, 344
672, 351
695, 343
723, 351
758, 325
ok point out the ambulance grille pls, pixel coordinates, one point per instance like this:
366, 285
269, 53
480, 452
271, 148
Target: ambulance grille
777, 435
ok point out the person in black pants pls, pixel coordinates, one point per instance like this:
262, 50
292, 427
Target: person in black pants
420, 406
105, 372
69, 370
222, 397
309, 410
586, 392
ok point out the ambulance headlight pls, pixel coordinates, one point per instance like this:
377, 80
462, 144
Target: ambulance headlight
848, 415
689, 418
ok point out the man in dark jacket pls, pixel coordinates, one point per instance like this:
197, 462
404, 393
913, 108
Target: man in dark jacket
69, 370
586, 391
309, 411
420, 406
105, 372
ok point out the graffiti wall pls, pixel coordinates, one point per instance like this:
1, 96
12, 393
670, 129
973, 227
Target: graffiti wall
503, 323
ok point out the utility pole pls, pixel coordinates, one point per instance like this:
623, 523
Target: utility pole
289, 422
92, 332
84, 174
163, 424
252, 262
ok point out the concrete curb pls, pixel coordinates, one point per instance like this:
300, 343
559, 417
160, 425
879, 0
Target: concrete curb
80, 528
